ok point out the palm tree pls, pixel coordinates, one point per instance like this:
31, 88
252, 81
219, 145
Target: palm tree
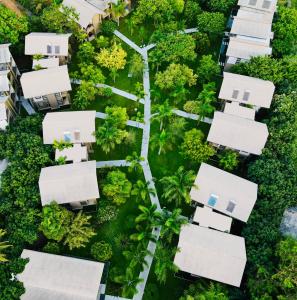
164, 262
164, 113
205, 101
176, 187
117, 10
171, 223
144, 235
135, 162
108, 135
136, 256
130, 24
142, 190
148, 215
179, 94
162, 141
3, 245
129, 282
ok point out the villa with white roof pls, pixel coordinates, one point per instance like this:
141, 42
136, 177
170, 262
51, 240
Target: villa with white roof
246, 90
9, 86
242, 50
75, 127
53, 47
56, 277
91, 14
224, 192
235, 132
73, 184
211, 254
47, 89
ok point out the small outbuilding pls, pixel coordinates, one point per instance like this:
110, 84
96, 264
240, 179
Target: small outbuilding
211, 254
56, 277
224, 192
241, 134
74, 184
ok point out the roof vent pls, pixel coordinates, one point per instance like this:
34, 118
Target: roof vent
266, 4
246, 96
235, 94
49, 49
212, 200
57, 49
253, 2
231, 206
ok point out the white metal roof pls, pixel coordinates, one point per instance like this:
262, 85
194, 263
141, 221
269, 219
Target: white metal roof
56, 277
234, 87
77, 153
5, 55
69, 183
206, 217
214, 183
255, 15
52, 62
246, 49
41, 42
85, 10
238, 133
4, 82
250, 28
45, 82
265, 5
234, 108
211, 254
56, 124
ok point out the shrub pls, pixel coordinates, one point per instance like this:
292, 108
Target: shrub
106, 212
108, 27
52, 247
101, 251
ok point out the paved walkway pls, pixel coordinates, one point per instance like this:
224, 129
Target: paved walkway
101, 115
112, 163
190, 30
144, 147
114, 90
184, 114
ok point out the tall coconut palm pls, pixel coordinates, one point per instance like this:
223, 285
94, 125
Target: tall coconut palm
148, 215
136, 256
171, 223
129, 282
117, 10
176, 187
164, 262
142, 190
3, 245
164, 113
135, 162
162, 141
144, 235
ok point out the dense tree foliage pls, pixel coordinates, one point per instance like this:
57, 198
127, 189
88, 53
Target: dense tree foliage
195, 148
101, 251
117, 187
12, 27
211, 22
275, 172
285, 40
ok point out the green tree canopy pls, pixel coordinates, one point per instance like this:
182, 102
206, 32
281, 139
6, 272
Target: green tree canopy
117, 187
211, 22
176, 75
12, 27
194, 148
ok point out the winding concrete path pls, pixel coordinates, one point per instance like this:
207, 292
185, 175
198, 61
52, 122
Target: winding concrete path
114, 90
101, 115
184, 114
112, 163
